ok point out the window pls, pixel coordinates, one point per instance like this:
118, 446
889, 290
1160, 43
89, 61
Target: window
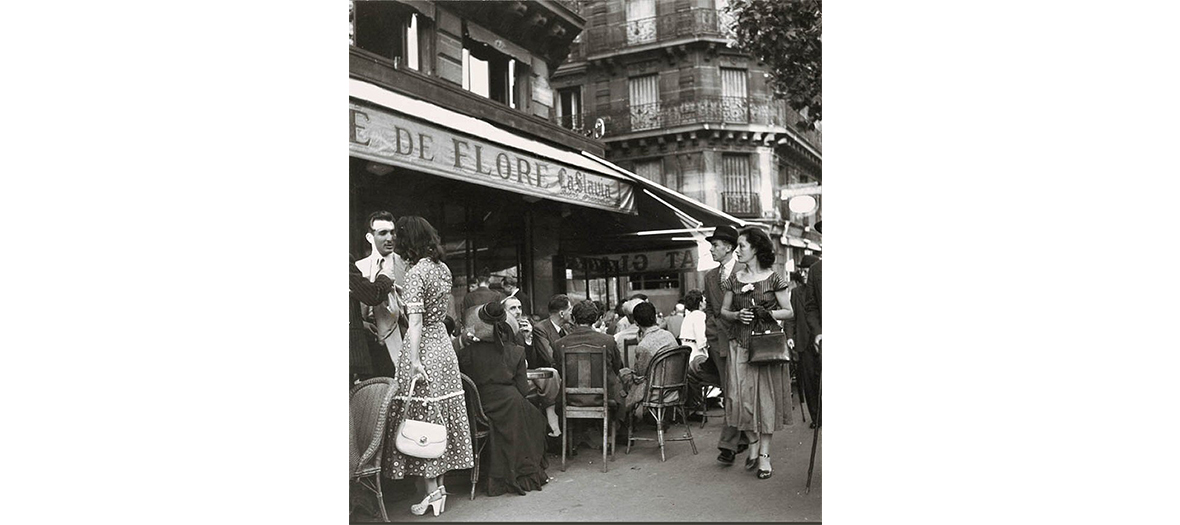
493, 75
650, 170
569, 108
388, 29
734, 101
740, 195
645, 102
655, 281
641, 21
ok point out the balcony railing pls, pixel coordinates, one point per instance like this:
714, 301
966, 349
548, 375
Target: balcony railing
697, 110
741, 204
763, 111
700, 22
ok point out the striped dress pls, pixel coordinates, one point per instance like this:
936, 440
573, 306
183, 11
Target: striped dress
759, 396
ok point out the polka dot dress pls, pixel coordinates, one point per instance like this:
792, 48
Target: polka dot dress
427, 286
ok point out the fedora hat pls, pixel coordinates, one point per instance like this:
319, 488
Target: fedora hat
724, 232
808, 260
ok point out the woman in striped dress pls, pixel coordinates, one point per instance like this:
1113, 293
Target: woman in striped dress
760, 402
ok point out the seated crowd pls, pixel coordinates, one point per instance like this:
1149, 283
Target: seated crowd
515, 359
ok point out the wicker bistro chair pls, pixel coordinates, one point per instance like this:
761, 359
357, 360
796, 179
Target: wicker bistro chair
481, 426
582, 383
368, 410
667, 387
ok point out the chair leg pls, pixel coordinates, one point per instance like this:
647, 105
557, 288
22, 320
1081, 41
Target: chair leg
660, 431
605, 443
475, 473
688, 431
705, 405
630, 428
614, 432
565, 437
381, 499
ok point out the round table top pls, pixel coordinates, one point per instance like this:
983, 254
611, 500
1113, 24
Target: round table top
539, 374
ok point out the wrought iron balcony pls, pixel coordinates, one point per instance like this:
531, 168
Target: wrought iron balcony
741, 204
695, 110
763, 111
699, 22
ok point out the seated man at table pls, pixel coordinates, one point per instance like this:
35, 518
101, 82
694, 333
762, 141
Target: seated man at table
652, 341
549, 388
582, 334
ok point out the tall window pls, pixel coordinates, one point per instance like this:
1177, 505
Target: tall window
740, 194
641, 21
734, 101
389, 30
569, 108
650, 170
724, 19
491, 74
645, 102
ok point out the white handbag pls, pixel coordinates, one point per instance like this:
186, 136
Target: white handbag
419, 439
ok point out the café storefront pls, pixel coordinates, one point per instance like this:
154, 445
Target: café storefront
504, 203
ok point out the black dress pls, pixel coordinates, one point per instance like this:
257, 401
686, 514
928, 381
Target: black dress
517, 447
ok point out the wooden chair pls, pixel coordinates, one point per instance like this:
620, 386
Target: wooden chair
368, 410
667, 387
581, 383
629, 345
481, 426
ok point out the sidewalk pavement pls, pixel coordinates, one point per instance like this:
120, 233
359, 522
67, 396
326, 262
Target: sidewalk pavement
638, 487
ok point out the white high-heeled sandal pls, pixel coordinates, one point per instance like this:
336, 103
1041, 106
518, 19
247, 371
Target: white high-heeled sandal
436, 501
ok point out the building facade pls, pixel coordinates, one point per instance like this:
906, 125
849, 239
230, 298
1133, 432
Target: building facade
453, 117
681, 107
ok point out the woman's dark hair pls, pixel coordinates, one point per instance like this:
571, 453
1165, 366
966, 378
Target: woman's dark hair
692, 300
416, 239
763, 247
585, 312
645, 314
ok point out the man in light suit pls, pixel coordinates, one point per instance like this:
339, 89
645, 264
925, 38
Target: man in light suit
723, 242
383, 318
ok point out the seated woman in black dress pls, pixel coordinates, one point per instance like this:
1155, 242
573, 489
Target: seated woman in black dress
497, 367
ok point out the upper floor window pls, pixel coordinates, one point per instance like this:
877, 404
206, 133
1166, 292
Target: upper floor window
388, 29
734, 102
569, 108
492, 74
740, 193
641, 21
650, 169
644, 94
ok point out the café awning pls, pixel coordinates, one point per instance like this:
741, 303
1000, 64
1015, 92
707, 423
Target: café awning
687, 225
398, 130
695, 210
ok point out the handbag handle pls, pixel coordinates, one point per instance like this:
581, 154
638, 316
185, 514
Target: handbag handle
409, 399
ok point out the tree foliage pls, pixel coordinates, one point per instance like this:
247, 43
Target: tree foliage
785, 34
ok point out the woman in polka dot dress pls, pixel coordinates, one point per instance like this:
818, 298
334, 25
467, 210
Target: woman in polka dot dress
427, 354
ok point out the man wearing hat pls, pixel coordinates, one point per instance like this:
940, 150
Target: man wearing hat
723, 242
808, 360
